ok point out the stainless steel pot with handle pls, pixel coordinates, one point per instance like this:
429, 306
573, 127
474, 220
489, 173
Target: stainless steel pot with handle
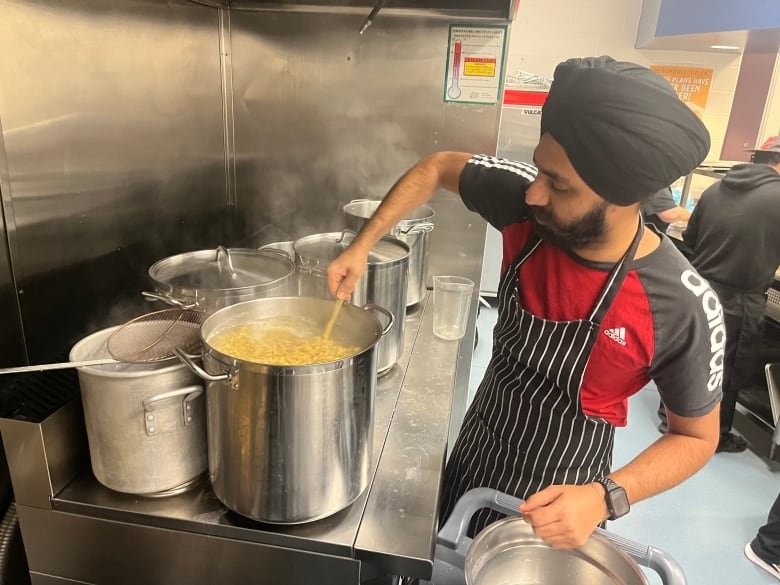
290, 444
213, 279
384, 282
414, 230
287, 247
146, 424
508, 551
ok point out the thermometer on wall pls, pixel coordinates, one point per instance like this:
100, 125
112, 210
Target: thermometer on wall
454, 91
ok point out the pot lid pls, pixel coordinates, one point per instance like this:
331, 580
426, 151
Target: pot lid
221, 269
328, 246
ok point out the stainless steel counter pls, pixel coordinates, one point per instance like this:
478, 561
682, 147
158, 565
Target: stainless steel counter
390, 529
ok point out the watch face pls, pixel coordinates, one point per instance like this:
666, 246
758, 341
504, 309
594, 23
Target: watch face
620, 505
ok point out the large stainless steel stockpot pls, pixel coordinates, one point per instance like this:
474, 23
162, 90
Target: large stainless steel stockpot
383, 283
414, 230
508, 551
146, 424
290, 444
213, 279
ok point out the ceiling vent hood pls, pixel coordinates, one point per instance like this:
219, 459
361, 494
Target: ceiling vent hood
492, 9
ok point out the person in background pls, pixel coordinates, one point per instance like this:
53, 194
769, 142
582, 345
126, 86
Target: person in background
734, 238
660, 209
591, 304
764, 550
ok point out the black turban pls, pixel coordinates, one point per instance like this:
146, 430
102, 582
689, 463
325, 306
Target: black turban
623, 127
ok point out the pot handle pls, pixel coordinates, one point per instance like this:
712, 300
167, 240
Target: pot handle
416, 229
454, 530
453, 534
155, 296
346, 232
275, 252
385, 312
670, 571
190, 393
224, 260
196, 369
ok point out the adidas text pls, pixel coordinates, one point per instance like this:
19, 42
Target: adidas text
617, 334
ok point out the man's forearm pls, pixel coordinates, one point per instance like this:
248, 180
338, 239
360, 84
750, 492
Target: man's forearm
669, 461
674, 214
414, 188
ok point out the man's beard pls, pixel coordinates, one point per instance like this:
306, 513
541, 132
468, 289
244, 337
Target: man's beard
582, 233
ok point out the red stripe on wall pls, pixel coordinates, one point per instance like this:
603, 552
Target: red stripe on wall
516, 97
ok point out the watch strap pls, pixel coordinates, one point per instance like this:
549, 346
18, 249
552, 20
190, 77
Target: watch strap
608, 484
611, 489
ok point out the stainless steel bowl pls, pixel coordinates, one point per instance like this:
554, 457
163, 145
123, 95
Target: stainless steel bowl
509, 553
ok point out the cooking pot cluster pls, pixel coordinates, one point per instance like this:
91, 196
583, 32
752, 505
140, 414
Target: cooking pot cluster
281, 444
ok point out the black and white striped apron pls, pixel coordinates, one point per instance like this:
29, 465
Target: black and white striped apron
526, 428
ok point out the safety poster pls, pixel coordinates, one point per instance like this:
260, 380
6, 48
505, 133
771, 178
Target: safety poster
475, 64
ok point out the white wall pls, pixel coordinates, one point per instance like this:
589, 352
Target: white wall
546, 32
771, 123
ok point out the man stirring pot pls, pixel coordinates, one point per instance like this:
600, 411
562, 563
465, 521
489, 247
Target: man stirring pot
591, 306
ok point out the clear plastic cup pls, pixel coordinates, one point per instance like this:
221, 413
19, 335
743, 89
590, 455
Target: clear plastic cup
451, 302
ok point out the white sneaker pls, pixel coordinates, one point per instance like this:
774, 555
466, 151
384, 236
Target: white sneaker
772, 569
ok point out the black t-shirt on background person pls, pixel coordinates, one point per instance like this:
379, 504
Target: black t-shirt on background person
734, 231
659, 201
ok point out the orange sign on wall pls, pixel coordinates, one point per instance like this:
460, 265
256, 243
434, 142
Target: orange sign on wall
692, 84
477, 66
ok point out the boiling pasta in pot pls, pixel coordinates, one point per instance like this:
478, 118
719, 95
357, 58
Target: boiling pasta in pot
279, 341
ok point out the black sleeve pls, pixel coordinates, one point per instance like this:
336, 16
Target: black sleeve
495, 189
691, 233
687, 365
657, 202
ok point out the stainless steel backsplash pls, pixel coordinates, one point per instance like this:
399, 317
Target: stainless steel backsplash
137, 129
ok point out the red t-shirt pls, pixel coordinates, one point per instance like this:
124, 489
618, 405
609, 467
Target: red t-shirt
665, 324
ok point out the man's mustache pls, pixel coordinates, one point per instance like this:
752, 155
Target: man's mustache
541, 215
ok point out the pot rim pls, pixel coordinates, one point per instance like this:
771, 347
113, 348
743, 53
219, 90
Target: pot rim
350, 208
473, 566
233, 364
314, 261
105, 372
286, 370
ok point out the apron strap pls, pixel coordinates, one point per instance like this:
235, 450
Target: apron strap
616, 277
531, 246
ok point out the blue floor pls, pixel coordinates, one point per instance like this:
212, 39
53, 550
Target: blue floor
703, 523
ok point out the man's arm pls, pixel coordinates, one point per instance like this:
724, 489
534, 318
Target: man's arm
688, 343
675, 214
414, 188
564, 516
686, 448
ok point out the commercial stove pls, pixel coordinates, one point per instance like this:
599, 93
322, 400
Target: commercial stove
77, 531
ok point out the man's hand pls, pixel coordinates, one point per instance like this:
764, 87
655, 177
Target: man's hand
346, 270
564, 516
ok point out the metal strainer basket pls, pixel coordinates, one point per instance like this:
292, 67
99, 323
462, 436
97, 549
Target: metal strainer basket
155, 336
773, 304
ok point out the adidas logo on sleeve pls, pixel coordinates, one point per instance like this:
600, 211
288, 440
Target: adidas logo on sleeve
617, 334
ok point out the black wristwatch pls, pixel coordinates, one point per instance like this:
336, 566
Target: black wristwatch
615, 497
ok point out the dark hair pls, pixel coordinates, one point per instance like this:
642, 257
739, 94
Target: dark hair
764, 157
